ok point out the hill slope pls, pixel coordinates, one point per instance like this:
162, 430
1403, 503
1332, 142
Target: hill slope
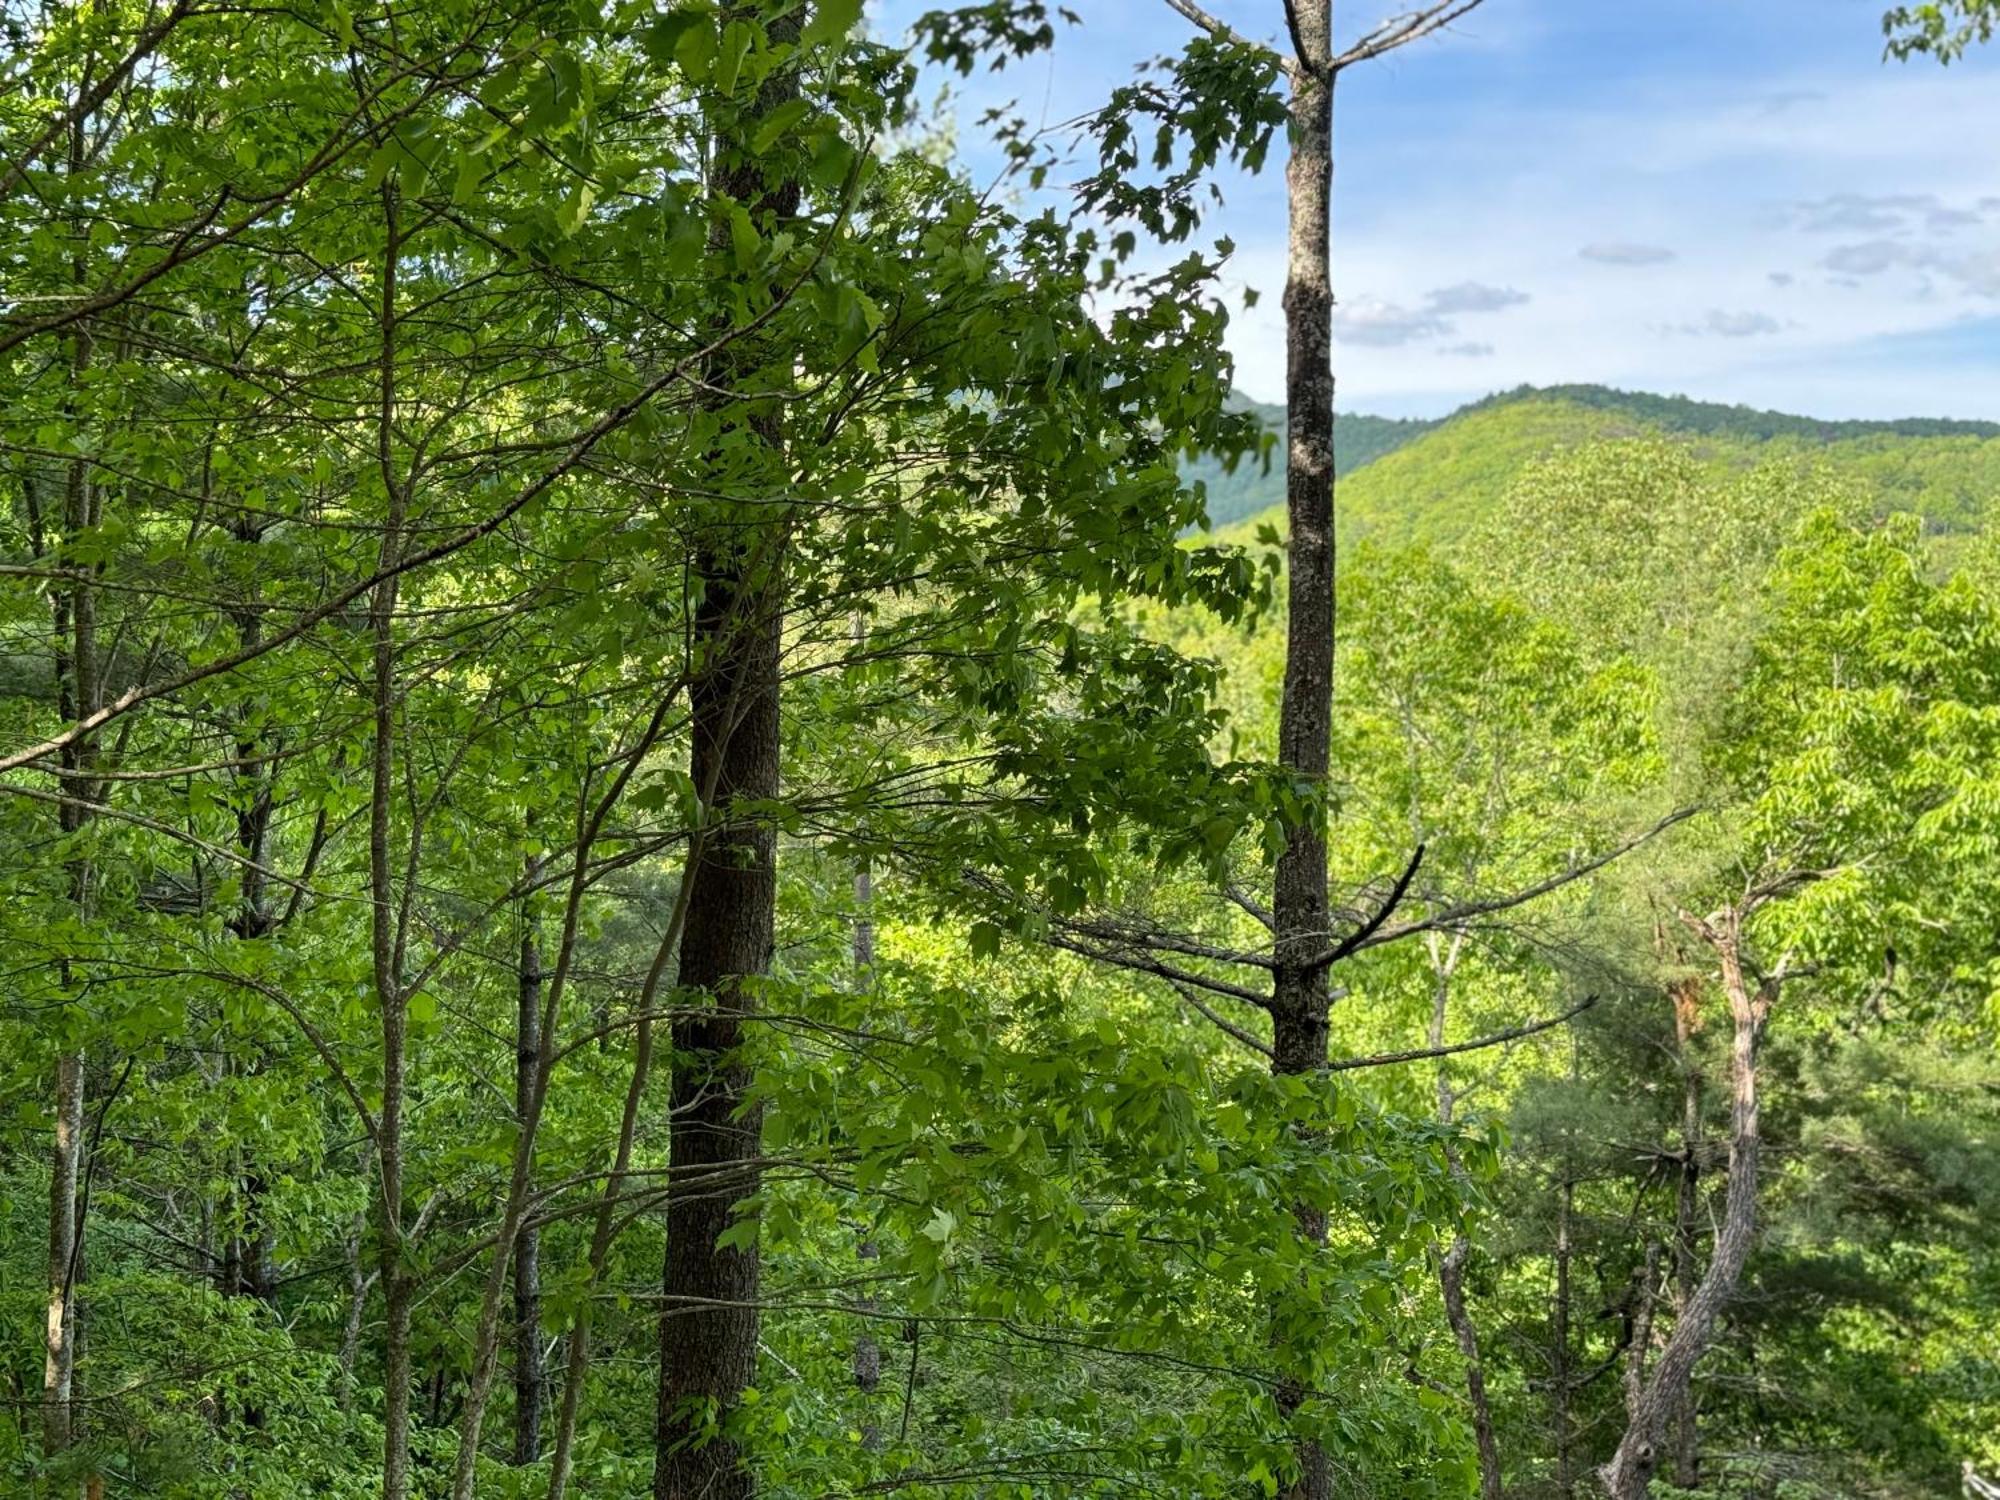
1433, 481
1358, 439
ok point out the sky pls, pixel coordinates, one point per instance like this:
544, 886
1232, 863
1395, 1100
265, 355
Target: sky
1736, 200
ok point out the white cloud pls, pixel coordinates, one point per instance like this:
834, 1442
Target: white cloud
1735, 325
1371, 322
1385, 325
1474, 297
1472, 349
1625, 253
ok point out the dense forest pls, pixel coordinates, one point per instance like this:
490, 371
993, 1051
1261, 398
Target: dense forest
688, 809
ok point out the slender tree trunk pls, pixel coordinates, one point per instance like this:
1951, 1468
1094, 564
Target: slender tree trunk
1300, 908
528, 1377
59, 1361
398, 1284
1629, 1474
708, 1314
79, 692
576, 1359
867, 1351
1451, 1268
1687, 1205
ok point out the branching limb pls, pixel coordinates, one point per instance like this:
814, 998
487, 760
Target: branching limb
1400, 31
1223, 1024
1467, 911
1498, 1038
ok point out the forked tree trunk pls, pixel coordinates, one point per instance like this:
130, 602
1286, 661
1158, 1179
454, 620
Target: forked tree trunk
708, 1313
1629, 1474
1300, 909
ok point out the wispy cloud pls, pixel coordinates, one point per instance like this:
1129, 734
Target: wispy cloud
1976, 273
1473, 297
1734, 325
1626, 253
1374, 323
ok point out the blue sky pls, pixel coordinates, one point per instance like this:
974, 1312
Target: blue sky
1738, 200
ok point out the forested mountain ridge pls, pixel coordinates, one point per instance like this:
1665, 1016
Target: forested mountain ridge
1405, 480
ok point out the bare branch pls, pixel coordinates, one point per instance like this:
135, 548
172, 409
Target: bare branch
1361, 935
1466, 911
1400, 31
1498, 1038
1222, 31
1228, 1028
1143, 963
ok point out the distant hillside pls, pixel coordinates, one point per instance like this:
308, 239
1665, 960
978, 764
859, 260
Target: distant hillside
1432, 481
1713, 419
1358, 439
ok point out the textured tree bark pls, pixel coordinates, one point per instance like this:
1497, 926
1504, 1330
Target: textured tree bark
708, 1319
528, 1379
708, 1313
1629, 1474
1300, 908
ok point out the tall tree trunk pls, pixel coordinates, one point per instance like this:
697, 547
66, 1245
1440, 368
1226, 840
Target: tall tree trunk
1687, 1204
1300, 908
527, 1242
708, 1317
398, 1282
79, 692
1629, 1474
708, 1313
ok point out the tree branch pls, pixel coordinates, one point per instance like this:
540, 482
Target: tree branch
1453, 916
1400, 31
1222, 31
1498, 1038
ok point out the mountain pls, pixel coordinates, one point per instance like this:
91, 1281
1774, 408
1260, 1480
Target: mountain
1358, 439
1415, 480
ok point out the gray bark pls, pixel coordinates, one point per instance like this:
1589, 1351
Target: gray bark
1629, 1474
1300, 909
